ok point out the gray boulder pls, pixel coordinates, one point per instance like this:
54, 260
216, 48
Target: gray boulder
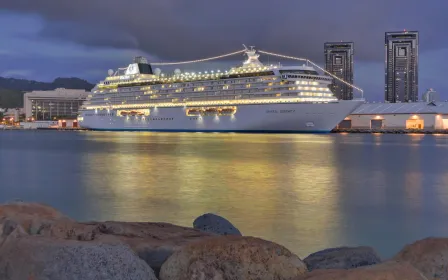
40, 257
232, 258
342, 258
215, 224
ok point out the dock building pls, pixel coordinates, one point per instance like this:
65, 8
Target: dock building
415, 115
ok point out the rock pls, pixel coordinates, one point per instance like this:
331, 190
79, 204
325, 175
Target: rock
383, 271
40, 257
232, 257
342, 257
72, 230
153, 242
30, 216
215, 224
429, 255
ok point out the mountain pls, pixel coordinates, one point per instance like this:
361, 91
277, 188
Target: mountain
12, 90
10, 98
30, 85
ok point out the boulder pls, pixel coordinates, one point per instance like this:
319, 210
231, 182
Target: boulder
429, 255
342, 257
66, 229
232, 257
384, 271
39, 257
215, 224
152, 242
30, 216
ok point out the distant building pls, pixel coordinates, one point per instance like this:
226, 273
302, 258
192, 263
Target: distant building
431, 96
13, 114
401, 66
53, 105
339, 62
415, 115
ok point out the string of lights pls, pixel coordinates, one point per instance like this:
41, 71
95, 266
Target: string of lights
198, 60
263, 52
314, 64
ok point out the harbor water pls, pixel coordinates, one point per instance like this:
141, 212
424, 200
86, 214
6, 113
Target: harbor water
306, 192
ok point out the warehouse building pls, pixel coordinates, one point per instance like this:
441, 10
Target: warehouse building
416, 115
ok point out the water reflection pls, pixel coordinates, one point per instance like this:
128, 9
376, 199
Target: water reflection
306, 192
278, 183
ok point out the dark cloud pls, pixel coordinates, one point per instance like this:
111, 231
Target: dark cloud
177, 30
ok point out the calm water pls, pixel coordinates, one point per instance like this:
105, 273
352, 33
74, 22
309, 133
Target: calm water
306, 192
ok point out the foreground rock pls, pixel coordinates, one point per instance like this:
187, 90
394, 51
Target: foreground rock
384, 271
429, 255
30, 216
215, 224
232, 257
38, 257
152, 242
342, 258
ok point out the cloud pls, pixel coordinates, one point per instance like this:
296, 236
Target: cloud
178, 30
17, 73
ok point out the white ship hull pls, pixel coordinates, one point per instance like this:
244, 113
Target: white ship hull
291, 117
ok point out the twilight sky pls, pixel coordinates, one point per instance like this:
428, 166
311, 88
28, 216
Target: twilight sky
45, 39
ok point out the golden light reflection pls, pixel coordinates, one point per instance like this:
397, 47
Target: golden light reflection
279, 187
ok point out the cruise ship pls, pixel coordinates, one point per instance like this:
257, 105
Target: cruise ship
251, 97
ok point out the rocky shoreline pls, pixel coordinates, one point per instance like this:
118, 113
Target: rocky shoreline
38, 242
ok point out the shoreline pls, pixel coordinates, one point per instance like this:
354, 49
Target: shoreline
39, 242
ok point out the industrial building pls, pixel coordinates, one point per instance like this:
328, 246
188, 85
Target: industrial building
339, 62
53, 105
416, 115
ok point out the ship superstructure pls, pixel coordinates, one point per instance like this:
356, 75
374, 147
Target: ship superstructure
251, 97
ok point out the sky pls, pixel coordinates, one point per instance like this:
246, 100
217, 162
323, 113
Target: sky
45, 39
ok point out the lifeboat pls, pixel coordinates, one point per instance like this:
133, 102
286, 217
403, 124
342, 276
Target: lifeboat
140, 113
123, 113
194, 112
227, 111
133, 113
211, 111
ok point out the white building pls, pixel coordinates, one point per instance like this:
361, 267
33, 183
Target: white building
13, 114
416, 115
55, 104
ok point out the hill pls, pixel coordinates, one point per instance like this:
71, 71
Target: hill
12, 90
10, 98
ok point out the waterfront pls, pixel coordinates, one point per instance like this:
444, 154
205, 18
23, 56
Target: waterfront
307, 192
